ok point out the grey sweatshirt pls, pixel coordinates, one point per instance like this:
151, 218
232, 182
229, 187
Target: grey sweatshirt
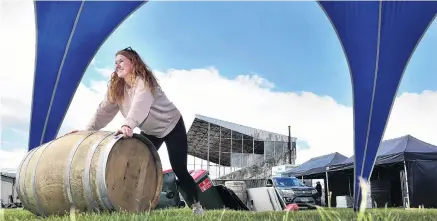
155, 116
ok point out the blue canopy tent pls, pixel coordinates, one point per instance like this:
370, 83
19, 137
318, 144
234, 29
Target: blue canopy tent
69, 33
307, 165
314, 167
378, 39
397, 150
406, 162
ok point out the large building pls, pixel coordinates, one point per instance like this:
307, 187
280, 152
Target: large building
224, 147
7, 187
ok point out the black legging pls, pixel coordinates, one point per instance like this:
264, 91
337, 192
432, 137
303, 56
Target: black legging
177, 148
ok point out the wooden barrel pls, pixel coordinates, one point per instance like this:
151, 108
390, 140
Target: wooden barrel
90, 171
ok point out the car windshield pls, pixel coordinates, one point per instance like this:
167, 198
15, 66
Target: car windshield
287, 182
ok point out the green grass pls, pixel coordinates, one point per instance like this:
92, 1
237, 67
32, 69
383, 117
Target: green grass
185, 215
322, 214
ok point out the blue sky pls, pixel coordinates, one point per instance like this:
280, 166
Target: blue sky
292, 44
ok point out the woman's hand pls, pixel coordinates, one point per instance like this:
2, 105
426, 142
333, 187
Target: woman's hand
126, 131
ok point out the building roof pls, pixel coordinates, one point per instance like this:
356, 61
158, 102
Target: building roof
258, 134
198, 139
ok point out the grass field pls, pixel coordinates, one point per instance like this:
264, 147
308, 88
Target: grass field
185, 215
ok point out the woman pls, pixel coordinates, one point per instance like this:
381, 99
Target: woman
134, 91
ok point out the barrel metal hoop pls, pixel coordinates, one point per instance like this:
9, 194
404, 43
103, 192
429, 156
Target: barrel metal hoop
17, 176
25, 161
68, 166
86, 176
101, 172
38, 207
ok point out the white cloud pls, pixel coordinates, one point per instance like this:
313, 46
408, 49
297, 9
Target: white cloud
414, 114
18, 42
255, 80
324, 124
11, 159
105, 72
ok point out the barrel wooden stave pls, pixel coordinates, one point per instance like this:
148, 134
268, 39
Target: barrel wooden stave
77, 173
50, 176
30, 181
56, 182
21, 187
126, 190
155, 175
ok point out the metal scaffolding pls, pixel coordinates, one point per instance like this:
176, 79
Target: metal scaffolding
228, 146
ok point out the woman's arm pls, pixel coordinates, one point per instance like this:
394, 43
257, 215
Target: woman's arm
140, 106
104, 114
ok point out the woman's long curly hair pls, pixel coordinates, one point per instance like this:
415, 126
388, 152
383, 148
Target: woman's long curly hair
139, 69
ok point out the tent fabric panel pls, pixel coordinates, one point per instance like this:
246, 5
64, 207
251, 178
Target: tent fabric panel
307, 165
397, 150
321, 161
419, 146
389, 159
398, 19
349, 160
420, 156
357, 25
312, 171
52, 37
96, 23
90, 23
420, 181
377, 58
393, 146
322, 168
337, 159
341, 167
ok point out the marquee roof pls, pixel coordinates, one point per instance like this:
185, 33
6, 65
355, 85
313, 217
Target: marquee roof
396, 150
316, 165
